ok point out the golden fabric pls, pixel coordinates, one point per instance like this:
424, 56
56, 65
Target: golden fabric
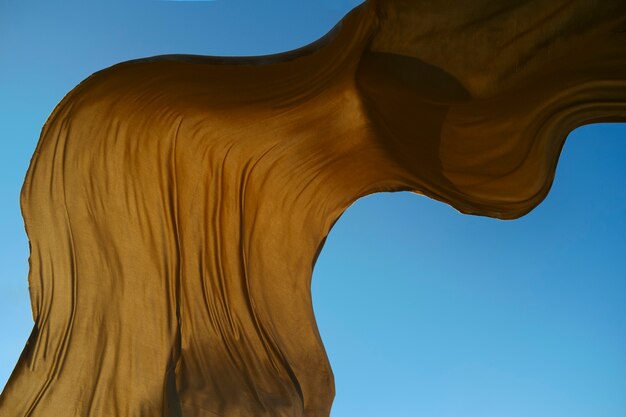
176, 205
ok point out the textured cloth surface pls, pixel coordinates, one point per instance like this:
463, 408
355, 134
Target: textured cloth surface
176, 205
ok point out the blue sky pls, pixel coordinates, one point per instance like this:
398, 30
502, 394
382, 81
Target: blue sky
424, 311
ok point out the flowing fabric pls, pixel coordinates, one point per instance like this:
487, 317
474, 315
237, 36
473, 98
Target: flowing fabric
176, 205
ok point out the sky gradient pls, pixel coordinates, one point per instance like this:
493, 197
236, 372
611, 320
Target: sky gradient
480, 317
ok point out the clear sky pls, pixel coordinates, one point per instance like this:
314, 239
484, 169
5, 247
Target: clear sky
423, 311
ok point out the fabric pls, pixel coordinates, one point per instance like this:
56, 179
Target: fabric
175, 206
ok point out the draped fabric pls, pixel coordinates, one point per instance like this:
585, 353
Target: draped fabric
175, 205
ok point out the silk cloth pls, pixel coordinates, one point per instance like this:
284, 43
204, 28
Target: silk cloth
175, 205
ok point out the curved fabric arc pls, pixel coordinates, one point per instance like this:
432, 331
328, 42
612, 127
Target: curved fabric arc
176, 205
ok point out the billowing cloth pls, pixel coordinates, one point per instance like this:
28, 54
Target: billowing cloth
176, 205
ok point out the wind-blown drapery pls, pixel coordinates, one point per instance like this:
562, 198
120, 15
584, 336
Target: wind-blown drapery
176, 205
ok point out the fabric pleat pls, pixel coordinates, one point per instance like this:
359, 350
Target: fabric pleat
176, 205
